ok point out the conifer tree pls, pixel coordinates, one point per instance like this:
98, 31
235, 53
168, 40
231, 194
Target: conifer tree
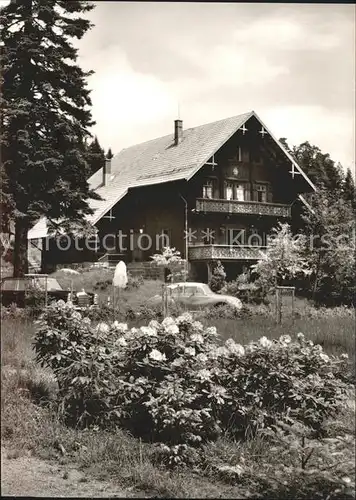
95, 156
109, 154
45, 116
349, 189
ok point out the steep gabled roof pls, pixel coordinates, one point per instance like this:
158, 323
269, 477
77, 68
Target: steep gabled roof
160, 160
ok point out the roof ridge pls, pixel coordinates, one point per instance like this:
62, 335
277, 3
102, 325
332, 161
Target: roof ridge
190, 128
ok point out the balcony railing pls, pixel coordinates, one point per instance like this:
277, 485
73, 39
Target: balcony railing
242, 207
225, 252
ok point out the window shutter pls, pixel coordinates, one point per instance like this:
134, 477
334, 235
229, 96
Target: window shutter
248, 192
269, 194
254, 193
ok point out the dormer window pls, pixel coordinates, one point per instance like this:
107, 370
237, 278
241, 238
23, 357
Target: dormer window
208, 189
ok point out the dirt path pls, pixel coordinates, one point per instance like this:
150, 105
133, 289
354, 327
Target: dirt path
30, 476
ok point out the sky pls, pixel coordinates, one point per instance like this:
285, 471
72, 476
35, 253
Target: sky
294, 64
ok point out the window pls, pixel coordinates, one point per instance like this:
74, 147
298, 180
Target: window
261, 193
239, 154
234, 191
240, 192
190, 290
208, 189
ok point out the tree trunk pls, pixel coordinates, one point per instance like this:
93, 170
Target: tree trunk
20, 261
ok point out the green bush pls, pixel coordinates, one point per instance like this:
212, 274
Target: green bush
246, 292
172, 382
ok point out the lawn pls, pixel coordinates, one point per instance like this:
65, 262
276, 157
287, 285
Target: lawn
129, 462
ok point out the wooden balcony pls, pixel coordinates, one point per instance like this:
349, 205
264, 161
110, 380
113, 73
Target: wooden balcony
242, 207
225, 252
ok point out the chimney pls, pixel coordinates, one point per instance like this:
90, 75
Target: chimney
106, 171
178, 131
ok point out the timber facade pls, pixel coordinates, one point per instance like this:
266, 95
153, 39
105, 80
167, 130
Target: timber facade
224, 210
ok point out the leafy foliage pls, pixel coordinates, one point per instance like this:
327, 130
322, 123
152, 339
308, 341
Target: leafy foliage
171, 259
283, 260
244, 289
218, 277
330, 228
45, 109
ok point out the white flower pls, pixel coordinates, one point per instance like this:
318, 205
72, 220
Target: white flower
157, 355
235, 348
265, 342
122, 327
121, 342
172, 329
197, 325
190, 351
202, 358
61, 303
222, 351
86, 321
168, 321
147, 330
250, 348
204, 374
76, 315
324, 357
300, 336
184, 318
211, 330
197, 337
285, 339
102, 328
178, 362
344, 356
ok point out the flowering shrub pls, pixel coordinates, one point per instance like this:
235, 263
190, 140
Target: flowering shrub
272, 380
173, 382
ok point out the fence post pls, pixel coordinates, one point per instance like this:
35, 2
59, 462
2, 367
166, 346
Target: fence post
163, 300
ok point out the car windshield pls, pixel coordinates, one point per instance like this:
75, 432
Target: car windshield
22, 284
52, 283
14, 285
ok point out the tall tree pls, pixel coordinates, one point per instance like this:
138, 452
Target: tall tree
95, 156
349, 189
45, 115
319, 167
330, 249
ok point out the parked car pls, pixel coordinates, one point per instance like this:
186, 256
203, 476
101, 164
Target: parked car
16, 291
196, 296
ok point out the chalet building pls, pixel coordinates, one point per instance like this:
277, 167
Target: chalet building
214, 192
